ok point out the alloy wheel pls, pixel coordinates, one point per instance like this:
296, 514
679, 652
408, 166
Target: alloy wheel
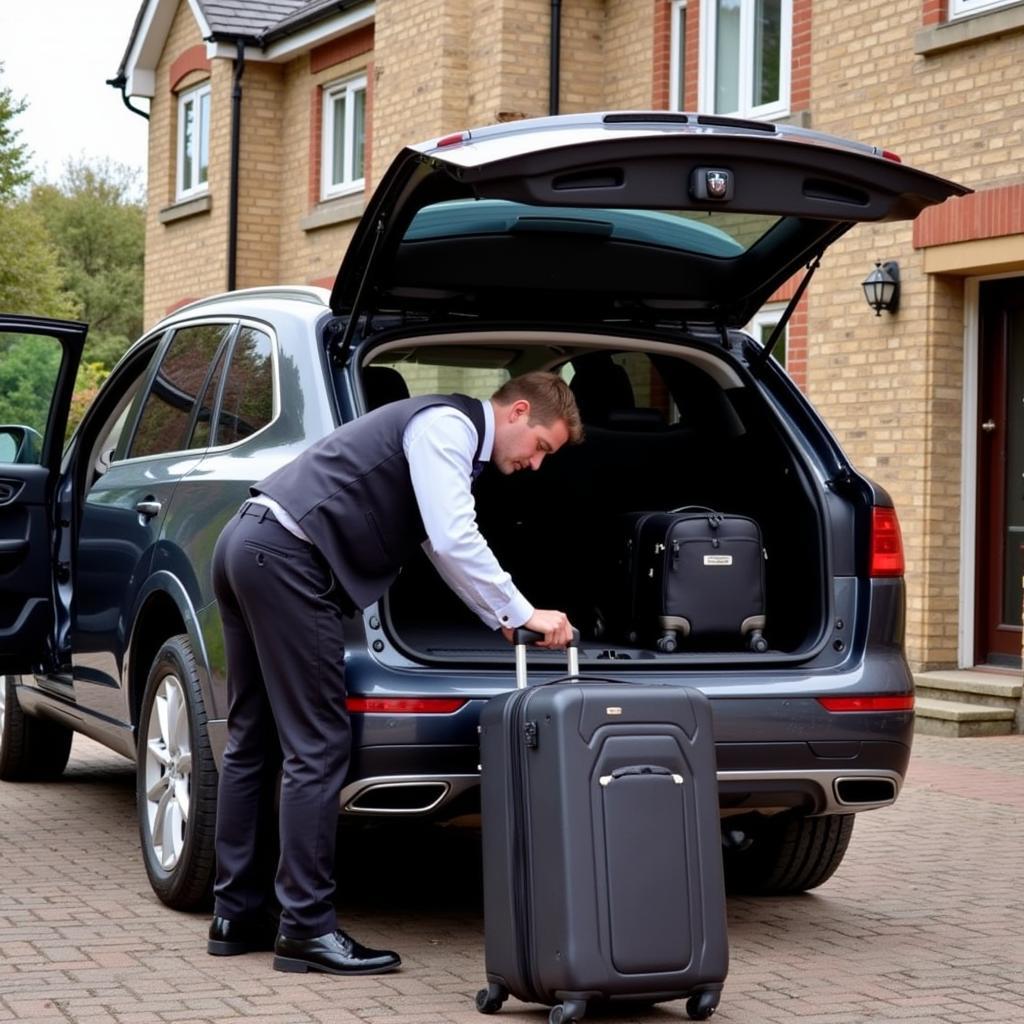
168, 771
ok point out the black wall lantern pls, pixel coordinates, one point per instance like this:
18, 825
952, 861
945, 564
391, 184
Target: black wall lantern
882, 287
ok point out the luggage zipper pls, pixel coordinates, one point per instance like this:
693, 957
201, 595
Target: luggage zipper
521, 881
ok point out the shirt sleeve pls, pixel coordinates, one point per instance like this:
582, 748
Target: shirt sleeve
439, 443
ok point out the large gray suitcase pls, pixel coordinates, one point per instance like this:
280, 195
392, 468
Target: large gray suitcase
601, 846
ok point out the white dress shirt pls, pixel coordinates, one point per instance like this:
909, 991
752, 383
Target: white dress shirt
439, 444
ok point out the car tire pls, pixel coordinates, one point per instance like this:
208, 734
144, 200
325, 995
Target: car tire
30, 748
176, 781
787, 854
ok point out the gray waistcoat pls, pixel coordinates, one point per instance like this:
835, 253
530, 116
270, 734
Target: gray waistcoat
353, 497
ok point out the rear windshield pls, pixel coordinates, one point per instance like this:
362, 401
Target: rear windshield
709, 233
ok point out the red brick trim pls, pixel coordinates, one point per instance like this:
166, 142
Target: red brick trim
368, 141
192, 59
692, 57
181, 302
796, 331
990, 213
800, 74
341, 49
316, 127
323, 282
661, 62
933, 12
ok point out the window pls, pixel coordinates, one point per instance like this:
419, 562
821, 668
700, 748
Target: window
343, 140
764, 323
745, 57
962, 8
183, 374
247, 404
677, 58
193, 140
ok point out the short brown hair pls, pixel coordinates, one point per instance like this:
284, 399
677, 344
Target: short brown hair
550, 399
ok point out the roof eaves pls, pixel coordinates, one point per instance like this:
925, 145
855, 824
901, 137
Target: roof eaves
318, 10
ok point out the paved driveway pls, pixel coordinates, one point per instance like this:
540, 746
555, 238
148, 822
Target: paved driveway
924, 922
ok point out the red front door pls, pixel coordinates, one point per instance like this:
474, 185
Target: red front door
1000, 548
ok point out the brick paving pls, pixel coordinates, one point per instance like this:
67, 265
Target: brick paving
924, 922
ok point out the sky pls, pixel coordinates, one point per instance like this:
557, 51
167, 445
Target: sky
57, 55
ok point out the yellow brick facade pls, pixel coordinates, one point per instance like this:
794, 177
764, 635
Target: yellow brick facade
891, 387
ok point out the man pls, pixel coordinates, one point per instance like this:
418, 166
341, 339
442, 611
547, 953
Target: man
322, 536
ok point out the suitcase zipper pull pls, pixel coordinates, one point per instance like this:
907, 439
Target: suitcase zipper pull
530, 734
675, 553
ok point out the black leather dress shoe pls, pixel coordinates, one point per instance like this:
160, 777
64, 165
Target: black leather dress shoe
333, 953
250, 935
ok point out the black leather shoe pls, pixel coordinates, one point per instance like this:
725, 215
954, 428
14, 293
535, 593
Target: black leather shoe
250, 935
333, 953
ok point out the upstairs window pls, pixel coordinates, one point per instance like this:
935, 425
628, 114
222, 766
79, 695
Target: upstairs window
746, 48
963, 8
193, 141
344, 136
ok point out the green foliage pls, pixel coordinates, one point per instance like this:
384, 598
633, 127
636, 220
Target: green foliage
97, 224
13, 155
30, 276
29, 365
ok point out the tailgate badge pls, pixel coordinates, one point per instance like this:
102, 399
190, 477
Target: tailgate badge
711, 183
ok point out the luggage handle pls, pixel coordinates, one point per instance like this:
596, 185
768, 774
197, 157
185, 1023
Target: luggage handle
522, 637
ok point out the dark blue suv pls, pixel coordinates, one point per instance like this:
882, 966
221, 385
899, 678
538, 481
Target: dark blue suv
626, 251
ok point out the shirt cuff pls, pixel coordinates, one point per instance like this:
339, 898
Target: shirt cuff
516, 613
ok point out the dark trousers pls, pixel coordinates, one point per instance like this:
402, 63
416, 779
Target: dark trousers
282, 615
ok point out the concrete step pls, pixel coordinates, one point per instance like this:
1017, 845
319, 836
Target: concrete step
998, 688
934, 717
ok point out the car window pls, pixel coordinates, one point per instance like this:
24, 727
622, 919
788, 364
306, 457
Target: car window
247, 404
202, 428
29, 365
436, 371
183, 372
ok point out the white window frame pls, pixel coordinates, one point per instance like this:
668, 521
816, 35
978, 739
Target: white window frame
187, 189
348, 88
768, 316
965, 8
677, 55
706, 81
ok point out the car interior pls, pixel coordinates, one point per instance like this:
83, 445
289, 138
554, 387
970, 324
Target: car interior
666, 427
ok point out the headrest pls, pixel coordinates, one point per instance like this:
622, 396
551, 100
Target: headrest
382, 385
600, 386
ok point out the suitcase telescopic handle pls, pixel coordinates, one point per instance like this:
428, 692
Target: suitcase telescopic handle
525, 637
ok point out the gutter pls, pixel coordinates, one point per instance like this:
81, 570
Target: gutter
119, 82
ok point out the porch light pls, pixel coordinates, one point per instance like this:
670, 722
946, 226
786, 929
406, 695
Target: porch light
882, 287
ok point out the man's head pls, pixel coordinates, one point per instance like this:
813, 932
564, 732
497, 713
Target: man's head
534, 415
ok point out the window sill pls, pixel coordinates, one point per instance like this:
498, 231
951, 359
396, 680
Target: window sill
964, 31
185, 208
335, 211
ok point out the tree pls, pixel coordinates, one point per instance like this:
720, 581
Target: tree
13, 156
97, 224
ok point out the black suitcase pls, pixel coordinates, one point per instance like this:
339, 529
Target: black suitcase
697, 574
601, 846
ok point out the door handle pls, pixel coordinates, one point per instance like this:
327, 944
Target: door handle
988, 426
148, 509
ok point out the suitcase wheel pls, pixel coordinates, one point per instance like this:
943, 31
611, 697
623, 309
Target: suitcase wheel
490, 999
757, 642
702, 1005
667, 642
567, 1012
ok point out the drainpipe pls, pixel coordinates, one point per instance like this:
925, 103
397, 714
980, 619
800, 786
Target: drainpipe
556, 55
236, 137
119, 83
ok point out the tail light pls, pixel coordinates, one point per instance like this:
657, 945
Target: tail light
886, 543
404, 705
905, 703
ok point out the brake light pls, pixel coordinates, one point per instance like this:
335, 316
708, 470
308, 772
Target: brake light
886, 543
890, 155
868, 703
404, 705
453, 140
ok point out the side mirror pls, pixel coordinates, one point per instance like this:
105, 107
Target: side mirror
20, 444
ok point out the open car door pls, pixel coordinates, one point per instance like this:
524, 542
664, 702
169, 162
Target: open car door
38, 362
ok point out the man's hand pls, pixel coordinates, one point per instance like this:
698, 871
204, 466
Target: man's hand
555, 626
